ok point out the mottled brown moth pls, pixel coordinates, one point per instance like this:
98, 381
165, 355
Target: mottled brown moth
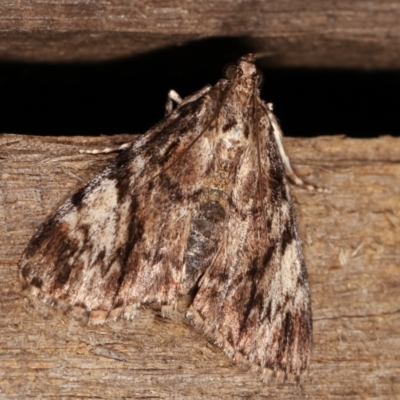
197, 209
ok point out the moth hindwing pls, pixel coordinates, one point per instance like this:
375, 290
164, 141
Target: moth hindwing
198, 207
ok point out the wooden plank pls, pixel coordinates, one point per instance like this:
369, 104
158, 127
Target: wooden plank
308, 33
351, 244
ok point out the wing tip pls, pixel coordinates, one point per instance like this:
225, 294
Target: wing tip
268, 375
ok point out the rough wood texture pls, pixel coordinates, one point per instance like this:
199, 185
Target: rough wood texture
339, 33
352, 252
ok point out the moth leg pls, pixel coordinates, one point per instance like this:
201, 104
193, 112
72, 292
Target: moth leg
286, 162
107, 149
173, 96
196, 95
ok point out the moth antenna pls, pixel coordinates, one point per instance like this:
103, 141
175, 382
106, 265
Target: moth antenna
257, 136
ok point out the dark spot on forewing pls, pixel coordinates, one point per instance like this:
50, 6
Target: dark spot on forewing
276, 186
287, 237
276, 173
37, 282
77, 198
80, 304
246, 131
118, 303
62, 276
100, 257
250, 303
212, 211
267, 255
204, 239
121, 174
229, 337
268, 311
229, 125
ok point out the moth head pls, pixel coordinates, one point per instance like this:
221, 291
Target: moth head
244, 69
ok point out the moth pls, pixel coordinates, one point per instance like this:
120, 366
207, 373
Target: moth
197, 211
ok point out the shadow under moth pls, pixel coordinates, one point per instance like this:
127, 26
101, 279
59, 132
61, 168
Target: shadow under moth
197, 211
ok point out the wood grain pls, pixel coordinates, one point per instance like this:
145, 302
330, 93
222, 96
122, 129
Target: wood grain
351, 244
362, 34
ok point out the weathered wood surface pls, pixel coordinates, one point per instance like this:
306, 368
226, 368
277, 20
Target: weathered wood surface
314, 33
351, 243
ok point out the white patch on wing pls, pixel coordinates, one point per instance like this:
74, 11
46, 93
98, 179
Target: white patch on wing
290, 268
